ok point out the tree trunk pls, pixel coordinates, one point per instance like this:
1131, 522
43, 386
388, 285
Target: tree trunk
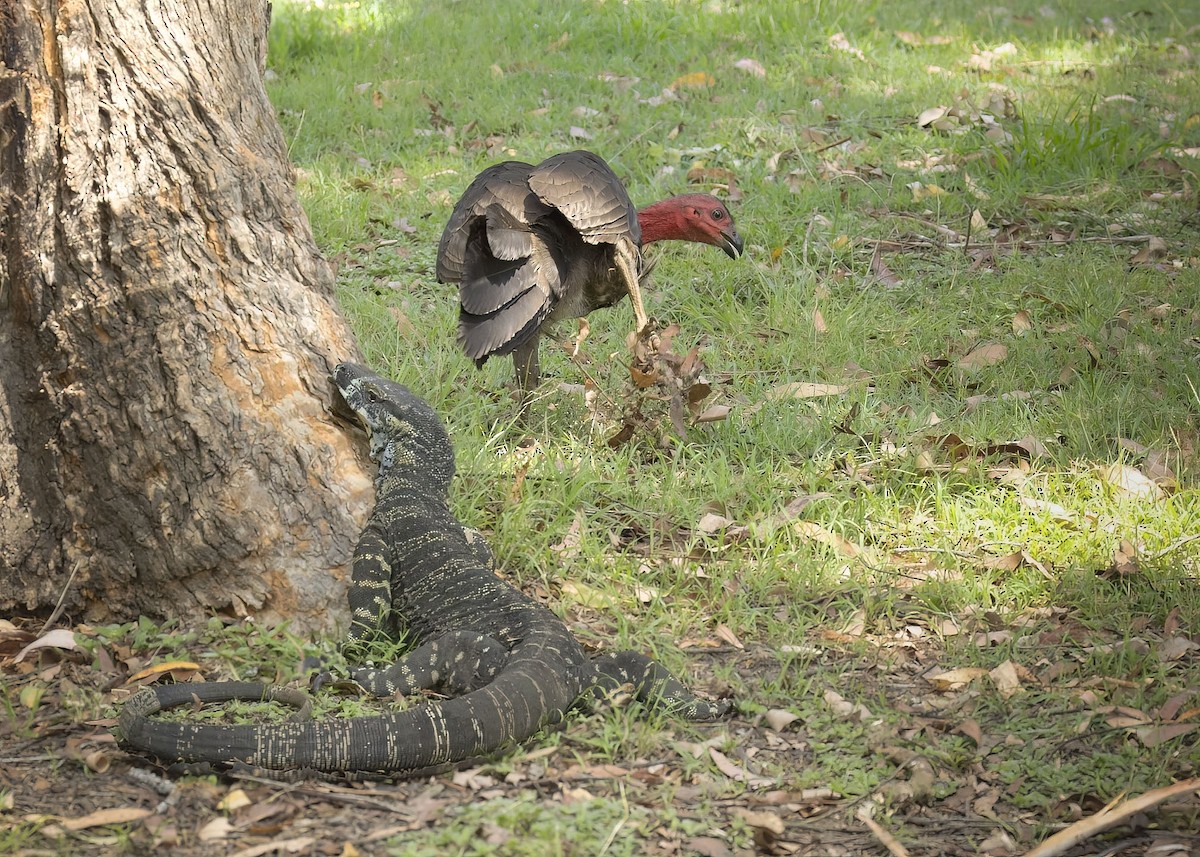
167, 326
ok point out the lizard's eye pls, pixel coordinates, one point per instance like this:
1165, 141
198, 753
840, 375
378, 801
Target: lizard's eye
718, 214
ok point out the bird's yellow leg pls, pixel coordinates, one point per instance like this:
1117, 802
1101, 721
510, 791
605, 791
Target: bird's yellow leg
627, 264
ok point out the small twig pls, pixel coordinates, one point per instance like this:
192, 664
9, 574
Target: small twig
621, 822
1178, 543
637, 137
891, 843
931, 549
331, 793
62, 596
832, 145
807, 236
930, 244
17, 760
1110, 816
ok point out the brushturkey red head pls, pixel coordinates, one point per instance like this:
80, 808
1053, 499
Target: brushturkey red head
696, 217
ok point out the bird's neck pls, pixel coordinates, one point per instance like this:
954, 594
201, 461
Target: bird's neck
660, 221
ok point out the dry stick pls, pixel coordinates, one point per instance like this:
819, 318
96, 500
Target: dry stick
1178, 543
891, 843
831, 145
62, 596
926, 244
1110, 816
621, 822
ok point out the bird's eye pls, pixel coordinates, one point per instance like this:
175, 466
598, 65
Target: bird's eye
718, 214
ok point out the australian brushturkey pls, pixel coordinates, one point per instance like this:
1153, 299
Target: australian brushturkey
531, 245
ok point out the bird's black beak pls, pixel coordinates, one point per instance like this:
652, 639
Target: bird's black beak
731, 243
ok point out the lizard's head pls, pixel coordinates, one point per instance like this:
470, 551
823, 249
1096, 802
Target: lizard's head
407, 436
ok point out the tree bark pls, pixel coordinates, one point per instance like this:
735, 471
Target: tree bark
167, 326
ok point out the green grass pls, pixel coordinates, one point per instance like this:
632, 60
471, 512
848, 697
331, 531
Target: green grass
1066, 144
1066, 139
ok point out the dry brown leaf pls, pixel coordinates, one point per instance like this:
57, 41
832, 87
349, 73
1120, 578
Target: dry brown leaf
719, 176
117, 815
779, 719
1027, 447
998, 844
588, 596
957, 678
971, 729
1124, 560
984, 60
1157, 467
710, 522
916, 40
1169, 710
735, 772
922, 191
234, 800
295, 845
804, 390
1055, 511
815, 532
726, 634
693, 80
708, 846
568, 548
925, 463
988, 639
930, 115
473, 779
1152, 736
1131, 481
819, 322
404, 326
1007, 562
788, 513
713, 414
979, 224
1174, 648
607, 772
219, 828
750, 66
765, 825
882, 272
1111, 815
645, 593
844, 708
1090, 348
839, 42
175, 668
988, 354
1006, 679
59, 638
1022, 322
1154, 251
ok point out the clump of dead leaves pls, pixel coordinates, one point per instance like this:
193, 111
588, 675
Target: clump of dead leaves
661, 379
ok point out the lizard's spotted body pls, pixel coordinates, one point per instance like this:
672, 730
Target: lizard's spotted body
511, 664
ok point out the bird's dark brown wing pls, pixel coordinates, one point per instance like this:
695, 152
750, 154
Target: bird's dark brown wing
510, 284
506, 185
530, 244
588, 193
